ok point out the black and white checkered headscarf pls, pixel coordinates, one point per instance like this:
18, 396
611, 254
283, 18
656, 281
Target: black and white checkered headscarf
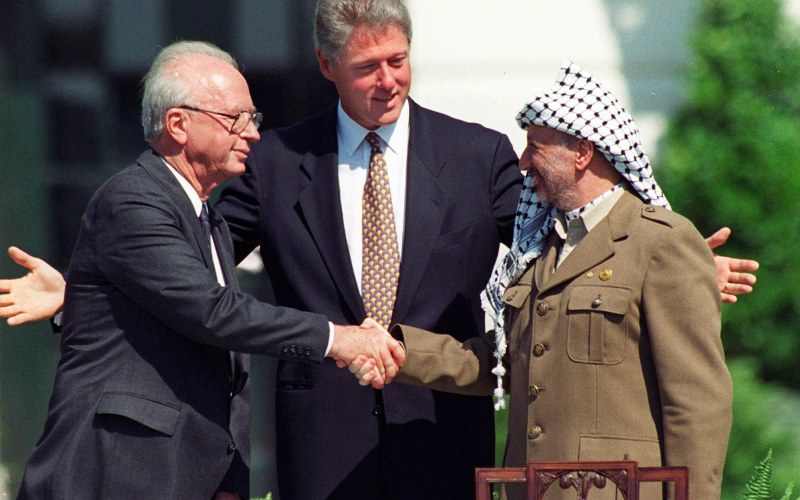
580, 106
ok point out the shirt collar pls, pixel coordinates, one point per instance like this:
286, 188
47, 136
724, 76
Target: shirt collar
197, 204
590, 214
351, 134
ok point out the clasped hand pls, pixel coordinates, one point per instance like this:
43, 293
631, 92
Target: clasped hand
368, 351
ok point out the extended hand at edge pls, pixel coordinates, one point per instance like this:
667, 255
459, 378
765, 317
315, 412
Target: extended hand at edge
37, 295
732, 277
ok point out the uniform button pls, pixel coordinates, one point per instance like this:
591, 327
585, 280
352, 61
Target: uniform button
377, 410
533, 391
542, 308
649, 209
231, 447
534, 432
538, 350
597, 302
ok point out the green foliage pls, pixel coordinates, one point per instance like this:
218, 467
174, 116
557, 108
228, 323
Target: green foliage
500, 433
731, 157
764, 418
759, 487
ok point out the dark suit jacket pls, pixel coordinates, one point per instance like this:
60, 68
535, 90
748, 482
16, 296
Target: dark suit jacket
146, 403
463, 188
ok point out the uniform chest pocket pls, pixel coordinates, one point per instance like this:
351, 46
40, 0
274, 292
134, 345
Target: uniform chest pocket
597, 326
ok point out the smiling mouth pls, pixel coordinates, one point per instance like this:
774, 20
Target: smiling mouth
384, 100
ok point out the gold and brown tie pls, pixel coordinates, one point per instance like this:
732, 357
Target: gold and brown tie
381, 255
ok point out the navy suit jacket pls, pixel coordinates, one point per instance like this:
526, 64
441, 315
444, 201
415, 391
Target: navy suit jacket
146, 402
462, 194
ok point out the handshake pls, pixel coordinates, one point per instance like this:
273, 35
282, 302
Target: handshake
368, 351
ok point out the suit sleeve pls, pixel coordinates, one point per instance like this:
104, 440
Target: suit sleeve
440, 362
147, 251
682, 311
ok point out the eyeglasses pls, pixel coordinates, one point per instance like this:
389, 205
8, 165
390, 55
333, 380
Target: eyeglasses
240, 120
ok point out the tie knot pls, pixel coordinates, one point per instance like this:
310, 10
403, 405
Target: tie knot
374, 141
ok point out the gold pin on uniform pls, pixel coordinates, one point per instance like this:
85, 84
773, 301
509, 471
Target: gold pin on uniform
605, 274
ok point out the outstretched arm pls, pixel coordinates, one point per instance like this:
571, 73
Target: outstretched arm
732, 276
37, 295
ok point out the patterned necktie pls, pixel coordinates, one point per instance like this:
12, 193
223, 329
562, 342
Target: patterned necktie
381, 255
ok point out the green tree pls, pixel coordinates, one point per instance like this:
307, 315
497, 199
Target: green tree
731, 157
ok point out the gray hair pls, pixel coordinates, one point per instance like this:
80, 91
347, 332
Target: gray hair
335, 20
161, 90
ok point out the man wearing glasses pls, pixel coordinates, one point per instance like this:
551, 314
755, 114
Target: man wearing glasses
151, 398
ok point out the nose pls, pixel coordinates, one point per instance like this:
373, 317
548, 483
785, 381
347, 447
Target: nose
250, 133
385, 77
525, 160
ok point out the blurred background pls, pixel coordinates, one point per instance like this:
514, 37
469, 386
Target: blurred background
713, 84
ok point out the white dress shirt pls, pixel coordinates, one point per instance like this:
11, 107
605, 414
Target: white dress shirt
354, 154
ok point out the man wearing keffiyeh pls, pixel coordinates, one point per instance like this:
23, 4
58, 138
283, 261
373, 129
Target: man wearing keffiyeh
606, 308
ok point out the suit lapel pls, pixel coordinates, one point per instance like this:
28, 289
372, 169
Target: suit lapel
155, 167
426, 201
321, 208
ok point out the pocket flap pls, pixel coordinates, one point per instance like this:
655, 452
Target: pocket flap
516, 295
153, 414
607, 299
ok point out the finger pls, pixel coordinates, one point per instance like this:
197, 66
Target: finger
368, 367
728, 298
719, 238
22, 258
9, 311
742, 278
341, 363
737, 289
378, 381
742, 264
360, 364
5, 285
368, 377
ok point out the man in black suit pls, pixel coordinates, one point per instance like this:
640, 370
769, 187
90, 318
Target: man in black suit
151, 398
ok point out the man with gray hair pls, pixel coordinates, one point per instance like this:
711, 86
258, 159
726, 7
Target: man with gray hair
151, 398
606, 309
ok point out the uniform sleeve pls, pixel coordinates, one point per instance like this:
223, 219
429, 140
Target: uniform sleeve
440, 362
682, 311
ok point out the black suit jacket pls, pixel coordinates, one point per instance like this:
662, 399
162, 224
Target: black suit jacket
147, 402
462, 193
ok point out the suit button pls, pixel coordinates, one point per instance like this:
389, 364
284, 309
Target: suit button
377, 410
538, 350
542, 308
533, 392
231, 447
534, 432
